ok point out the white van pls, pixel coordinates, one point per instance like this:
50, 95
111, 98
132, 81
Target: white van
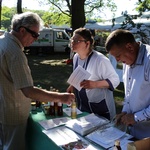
50, 40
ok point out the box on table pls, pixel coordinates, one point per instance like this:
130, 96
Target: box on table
143, 144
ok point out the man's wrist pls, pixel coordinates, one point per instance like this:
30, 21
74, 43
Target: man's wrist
139, 117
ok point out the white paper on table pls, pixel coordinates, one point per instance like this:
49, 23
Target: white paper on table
51, 123
78, 75
62, 136
68, 111
106, 136
85, 125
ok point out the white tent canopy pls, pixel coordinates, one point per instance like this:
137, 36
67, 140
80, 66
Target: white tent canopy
107, 26
101, 26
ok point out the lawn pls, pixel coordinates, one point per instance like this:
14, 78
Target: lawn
52, 70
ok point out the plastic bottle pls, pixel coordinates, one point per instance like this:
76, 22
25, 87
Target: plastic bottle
73, 110
117, 145
60, 109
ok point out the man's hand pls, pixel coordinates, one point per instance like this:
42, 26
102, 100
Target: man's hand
66, 98
118, 118
128, 119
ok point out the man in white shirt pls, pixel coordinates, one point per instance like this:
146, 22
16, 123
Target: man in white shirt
135, 57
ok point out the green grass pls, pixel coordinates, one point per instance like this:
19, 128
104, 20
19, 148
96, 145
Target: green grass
51, 70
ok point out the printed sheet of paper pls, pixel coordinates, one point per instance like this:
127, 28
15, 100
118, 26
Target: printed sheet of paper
51, 123
67, 139
106, 136
78, 75
86, 124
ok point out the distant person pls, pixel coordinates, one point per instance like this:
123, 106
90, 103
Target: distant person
96, 40
135, 57
96, 95
16, 83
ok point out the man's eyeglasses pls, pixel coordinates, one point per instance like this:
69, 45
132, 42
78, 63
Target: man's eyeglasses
34, 34
76, 41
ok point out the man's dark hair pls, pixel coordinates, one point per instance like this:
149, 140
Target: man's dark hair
119, 37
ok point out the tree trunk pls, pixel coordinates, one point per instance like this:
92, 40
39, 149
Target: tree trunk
0, 13
19, 6
78, 14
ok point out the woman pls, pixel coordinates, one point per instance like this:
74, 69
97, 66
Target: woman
96, 95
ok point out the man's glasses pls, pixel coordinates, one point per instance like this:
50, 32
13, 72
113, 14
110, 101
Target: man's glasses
34, 34
76, 41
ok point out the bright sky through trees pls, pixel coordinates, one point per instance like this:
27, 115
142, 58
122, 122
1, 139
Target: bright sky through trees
122, 5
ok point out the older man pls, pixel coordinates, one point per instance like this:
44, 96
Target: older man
16, 84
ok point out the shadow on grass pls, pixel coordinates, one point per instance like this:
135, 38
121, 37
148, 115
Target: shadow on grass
50, 70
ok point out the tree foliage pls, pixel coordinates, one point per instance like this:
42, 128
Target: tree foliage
143, 5
48, 17
51, 18
72, 12
79, 11
6, 17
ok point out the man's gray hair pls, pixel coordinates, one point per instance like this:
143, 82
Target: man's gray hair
26, 19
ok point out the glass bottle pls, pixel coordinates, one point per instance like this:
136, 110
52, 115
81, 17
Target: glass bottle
33, 105
73, 110
51, 89
52, 109
60, 109
56, 107
46, 110
38, 103
55, 103
117, 145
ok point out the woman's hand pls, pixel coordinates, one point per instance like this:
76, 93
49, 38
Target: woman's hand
70, 89
88, 84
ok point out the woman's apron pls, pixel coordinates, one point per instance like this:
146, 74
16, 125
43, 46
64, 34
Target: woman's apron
82, 100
